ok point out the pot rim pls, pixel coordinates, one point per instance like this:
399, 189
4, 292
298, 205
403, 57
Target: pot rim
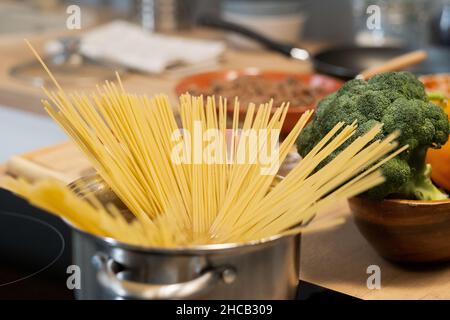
197, 249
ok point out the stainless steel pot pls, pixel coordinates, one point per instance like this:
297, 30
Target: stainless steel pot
263, 269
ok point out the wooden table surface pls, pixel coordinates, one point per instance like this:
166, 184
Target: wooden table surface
336, 258
16, 93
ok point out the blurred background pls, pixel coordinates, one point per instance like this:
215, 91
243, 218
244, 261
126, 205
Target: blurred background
81, 61
326, 20
156, 46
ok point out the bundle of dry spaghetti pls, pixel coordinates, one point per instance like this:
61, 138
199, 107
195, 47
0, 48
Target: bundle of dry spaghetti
177, 195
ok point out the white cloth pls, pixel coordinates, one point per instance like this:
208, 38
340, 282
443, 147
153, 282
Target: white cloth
128, 45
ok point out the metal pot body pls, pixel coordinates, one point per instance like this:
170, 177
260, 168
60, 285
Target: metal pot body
259, 270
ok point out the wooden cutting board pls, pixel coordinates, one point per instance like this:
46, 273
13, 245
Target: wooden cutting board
67, 163
336, 258
64, 162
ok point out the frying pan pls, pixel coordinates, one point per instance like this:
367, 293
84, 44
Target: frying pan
345, 61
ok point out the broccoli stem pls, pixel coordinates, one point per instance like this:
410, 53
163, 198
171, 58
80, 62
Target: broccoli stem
420, 185
435, 96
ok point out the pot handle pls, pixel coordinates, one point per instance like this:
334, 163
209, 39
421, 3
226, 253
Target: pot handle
135, 290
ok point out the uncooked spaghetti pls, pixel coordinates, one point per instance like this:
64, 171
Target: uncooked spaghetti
181, 199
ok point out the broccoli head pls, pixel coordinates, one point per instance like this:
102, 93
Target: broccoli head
398, 100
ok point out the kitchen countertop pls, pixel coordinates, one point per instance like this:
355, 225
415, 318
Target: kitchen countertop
21, 131
18, 94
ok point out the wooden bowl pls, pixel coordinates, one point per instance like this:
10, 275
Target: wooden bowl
407, 231
204, 80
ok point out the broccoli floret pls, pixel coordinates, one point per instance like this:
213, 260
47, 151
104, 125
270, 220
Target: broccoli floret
398, 100
399, 84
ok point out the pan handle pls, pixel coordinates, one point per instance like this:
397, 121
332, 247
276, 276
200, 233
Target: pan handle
398, 63
218, 23
108, 278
